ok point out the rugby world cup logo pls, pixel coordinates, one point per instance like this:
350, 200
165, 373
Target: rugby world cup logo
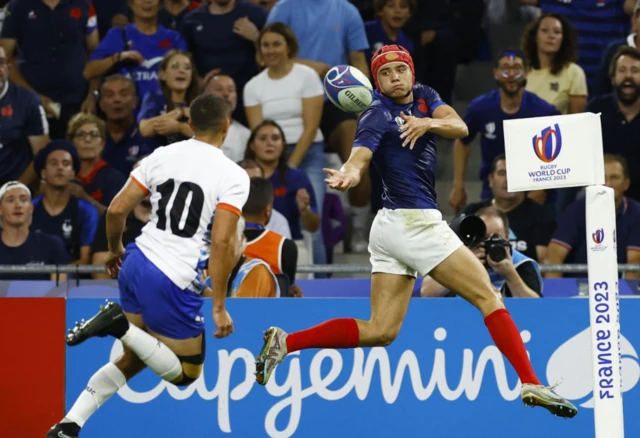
547, 145
598, 236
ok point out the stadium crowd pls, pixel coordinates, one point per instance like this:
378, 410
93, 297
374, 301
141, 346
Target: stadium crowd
88, 88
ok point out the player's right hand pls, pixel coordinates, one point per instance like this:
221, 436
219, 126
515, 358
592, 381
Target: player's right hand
223, 323
114, 261
457, 199
338, 180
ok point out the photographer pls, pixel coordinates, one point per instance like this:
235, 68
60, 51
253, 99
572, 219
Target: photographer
512, 273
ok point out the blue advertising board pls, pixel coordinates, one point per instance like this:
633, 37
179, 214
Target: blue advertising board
442, 377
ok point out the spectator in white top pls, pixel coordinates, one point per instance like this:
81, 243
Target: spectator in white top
292, 95
237, 138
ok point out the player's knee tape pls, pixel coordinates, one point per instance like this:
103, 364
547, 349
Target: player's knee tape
197, 360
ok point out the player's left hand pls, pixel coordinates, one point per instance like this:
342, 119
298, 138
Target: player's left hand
503, 268
413, 129
338, 180
223, 323
246, 29
113, 261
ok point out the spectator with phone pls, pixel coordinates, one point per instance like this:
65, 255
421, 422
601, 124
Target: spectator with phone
164, 114
512, 273
135, 50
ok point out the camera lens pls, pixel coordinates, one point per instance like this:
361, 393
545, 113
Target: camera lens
497, 253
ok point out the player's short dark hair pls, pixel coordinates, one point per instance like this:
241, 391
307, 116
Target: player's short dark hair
286, 32
260, 195
248, 163
494, 163
494, 212
629, 51
614, 158
378, 5
208, 114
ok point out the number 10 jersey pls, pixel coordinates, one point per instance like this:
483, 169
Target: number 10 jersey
187, 182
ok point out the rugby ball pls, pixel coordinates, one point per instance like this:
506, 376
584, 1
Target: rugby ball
348, 88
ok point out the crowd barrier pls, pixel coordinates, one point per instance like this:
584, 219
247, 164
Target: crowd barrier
321, 288
442, 377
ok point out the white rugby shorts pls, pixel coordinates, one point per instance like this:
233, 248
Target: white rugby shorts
410, 241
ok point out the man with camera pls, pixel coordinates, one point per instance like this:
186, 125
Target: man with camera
512, 273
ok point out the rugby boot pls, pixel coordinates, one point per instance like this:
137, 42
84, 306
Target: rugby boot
110, 320
64, 430
544, 396
272, 353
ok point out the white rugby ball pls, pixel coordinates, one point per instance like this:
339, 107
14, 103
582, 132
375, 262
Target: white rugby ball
348, 88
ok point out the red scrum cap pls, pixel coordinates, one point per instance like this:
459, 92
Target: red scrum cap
387, 54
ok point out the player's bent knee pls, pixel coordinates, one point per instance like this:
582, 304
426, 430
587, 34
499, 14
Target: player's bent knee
191, 368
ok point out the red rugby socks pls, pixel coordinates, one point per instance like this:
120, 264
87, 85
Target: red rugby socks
335, 333
507, 338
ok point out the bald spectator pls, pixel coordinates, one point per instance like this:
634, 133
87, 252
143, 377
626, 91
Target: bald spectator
124, 143
569, 245
50, 40
23, 129
235, 144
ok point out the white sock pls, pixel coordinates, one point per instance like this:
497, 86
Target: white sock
360, 215
153, 353
102, 385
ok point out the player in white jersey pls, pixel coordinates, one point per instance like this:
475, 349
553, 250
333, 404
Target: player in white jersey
159, 320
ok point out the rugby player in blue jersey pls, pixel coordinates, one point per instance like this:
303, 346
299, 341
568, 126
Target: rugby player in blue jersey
408, 236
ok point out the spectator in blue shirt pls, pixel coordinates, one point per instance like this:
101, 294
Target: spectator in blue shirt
18, 245
485, 116
620, 113
164, 115
294, 196
173, 12
101, 182
57, 211
137, 49
387, 29
124, 144
569, 245
338, 38
52, 40
603, 80
222, 35
23, 129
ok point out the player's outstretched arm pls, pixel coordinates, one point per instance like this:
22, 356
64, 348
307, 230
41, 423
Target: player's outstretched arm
351, 172
221, 262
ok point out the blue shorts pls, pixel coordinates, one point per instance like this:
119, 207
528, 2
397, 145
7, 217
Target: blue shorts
165, 308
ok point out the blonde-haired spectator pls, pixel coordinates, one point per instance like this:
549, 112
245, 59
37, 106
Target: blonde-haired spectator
100, 182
